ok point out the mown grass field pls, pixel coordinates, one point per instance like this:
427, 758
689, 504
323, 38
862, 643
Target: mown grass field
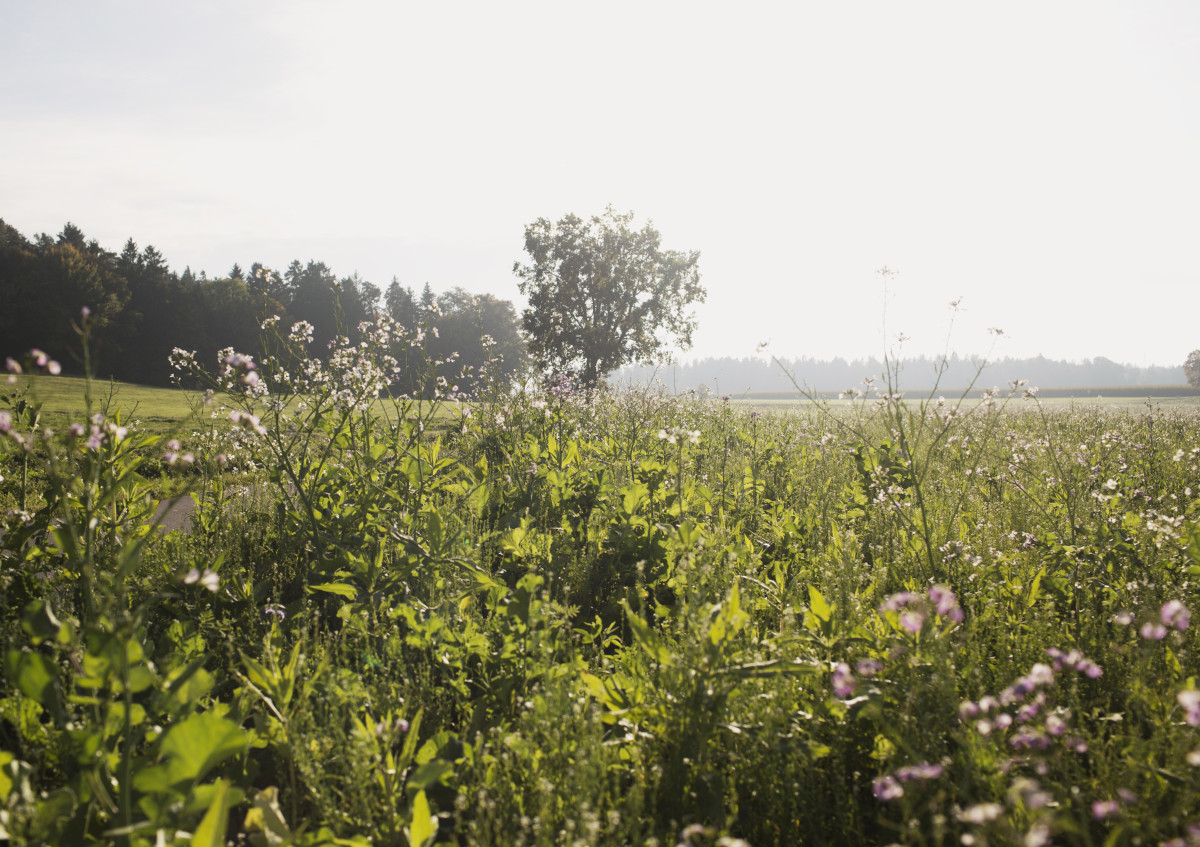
616, 618
63, 397
164, 409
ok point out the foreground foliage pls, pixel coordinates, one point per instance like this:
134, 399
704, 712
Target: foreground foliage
555, 618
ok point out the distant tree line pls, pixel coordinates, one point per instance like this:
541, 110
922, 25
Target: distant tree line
142, 309
731, 376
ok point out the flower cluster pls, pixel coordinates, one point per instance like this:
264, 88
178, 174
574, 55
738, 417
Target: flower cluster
677, 435
206, 578
239, 372
173, 456
34, 361
1021, 704
1189, 701
247, 421
99, 432
891, 786
913, 610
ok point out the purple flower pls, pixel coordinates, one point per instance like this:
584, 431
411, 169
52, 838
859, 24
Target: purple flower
1028, 712
844, 683
898, 601
919, 772
945, 603
1175, 614
1104, 809
1031, 738
912, 621
1041, 675
1152, 631
869, 667
886, 789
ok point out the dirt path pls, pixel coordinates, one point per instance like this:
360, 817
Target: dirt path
178, 516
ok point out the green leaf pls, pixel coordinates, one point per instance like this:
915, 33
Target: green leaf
211, 831
37, 677
191, 748
424, 824
646, 637
6, 783
39, 622
434, 530
266, 817
430, 774
819, 605
1035, 588
341, 589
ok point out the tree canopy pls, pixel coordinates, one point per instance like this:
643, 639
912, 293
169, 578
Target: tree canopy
1191, 369
602, 294
141, 310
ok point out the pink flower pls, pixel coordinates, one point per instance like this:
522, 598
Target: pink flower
1104, 809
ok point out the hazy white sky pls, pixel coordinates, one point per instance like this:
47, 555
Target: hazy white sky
1041, 160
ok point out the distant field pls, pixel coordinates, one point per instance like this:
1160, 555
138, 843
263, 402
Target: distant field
1106, 395
160, 409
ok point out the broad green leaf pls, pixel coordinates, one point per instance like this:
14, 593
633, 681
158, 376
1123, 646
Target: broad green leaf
190, 749
430, 774
819, 605
37, 677
39, 622
339, 588
424, 824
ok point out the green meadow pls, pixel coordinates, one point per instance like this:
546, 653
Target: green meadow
608, 617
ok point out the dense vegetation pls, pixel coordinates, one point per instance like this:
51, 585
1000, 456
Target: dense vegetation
551, 617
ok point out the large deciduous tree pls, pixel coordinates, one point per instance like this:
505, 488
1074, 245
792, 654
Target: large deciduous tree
602, 294
1191, 369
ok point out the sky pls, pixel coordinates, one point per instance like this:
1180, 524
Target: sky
1036, 161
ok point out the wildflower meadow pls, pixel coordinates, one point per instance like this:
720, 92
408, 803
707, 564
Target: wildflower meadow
545, 615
